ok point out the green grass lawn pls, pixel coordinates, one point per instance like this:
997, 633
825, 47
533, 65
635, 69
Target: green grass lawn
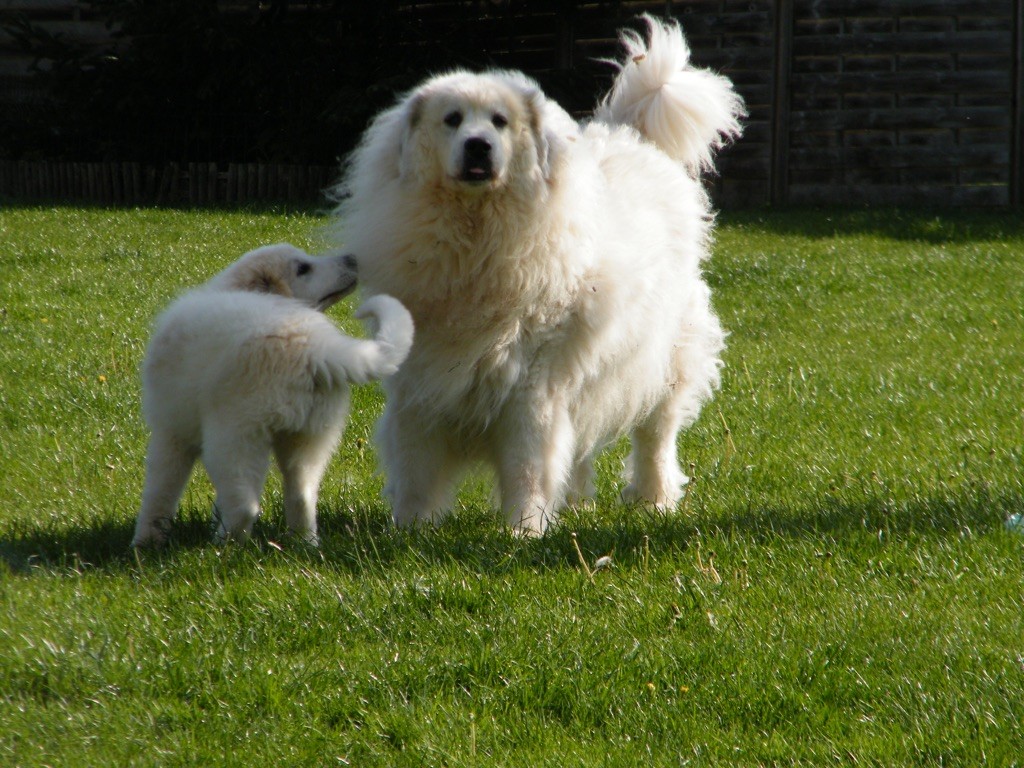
838, 586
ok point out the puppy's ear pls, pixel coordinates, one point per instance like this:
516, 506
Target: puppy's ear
262, 278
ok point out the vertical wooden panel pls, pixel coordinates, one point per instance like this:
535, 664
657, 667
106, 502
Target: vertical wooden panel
213, 184
779, 172
1017, 137
566, 34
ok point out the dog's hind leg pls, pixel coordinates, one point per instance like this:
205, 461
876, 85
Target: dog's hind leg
237, 465
168, 466
582, 488
653, 466
303, 459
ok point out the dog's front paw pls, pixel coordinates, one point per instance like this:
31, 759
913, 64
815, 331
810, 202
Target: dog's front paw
303, 538
531, 522
526, 532
663, 496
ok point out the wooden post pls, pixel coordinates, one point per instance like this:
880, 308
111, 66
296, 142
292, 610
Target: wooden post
566, 35
213, 184
1017, 118
252, 187
138, 197
116, 185
781, 98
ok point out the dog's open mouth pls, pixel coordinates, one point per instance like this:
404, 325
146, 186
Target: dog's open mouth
477, 172
477, 161
331, 299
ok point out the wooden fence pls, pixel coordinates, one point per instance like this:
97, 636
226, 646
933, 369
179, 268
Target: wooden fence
191, 184
875, 101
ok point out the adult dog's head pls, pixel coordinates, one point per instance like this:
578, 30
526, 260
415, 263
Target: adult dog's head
285, 270
475, 131
467, 133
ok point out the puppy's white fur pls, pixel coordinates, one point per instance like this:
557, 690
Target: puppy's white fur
245, 365
556, 284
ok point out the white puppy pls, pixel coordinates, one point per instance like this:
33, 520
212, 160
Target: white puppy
247, 364
553, 271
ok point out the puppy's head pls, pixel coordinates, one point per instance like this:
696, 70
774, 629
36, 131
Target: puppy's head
475, 132
285, 270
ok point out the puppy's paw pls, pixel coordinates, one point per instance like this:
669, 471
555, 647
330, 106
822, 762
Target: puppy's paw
152, 536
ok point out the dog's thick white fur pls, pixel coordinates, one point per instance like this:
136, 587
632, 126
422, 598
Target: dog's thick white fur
246, 365
554, 274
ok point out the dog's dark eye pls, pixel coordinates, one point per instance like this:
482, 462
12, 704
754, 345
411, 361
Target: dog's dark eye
453, 119
499, 120
303, 268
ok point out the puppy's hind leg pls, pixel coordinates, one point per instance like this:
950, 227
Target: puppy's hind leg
237, 465
168, 466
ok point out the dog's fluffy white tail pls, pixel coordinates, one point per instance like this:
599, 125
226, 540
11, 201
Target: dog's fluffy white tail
362, 360
687, 112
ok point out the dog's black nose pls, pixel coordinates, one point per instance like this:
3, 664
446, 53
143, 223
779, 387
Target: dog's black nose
350, 262
477, 162
477, 147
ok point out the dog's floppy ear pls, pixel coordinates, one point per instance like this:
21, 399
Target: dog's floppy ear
380, 156
412, 114
535, 105
545, 138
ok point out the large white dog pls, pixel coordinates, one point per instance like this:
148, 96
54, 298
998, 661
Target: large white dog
247, 364
553, 272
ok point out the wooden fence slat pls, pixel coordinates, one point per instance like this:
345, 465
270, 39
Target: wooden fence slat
253, 186
779, 165
213, 184
1017, 126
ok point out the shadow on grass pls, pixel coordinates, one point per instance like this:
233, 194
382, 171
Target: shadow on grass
105, 544
365, 541
934, 226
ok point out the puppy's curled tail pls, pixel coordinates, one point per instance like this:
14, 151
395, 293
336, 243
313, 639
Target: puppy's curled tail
392, 329
687, 112
362, 360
